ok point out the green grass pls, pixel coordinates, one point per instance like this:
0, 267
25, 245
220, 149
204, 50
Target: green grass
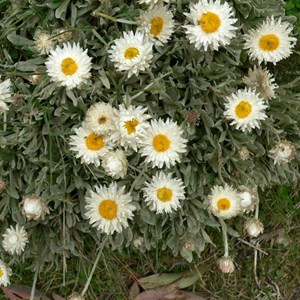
277, 276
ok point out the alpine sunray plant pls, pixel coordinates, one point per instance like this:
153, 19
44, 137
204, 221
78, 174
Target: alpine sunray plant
174, 105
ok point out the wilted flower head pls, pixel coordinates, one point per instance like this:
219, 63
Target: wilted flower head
62, 35
226, 264
253, 228
2, 186
244, 153
35, 79
192, 117
262, 81
283, 152
43, 42
34, 208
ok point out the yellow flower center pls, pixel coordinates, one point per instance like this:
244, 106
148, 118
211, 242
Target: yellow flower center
164, 194
243, 109
131, 53
1, 273
210, 22
69, 66
223, 204
131, 125
161, 143
94, 142
156, 26
108, 209
269, 42
102, 120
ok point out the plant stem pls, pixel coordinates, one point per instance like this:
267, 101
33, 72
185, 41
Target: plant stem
225, 239
34, 284
257, 206
87, 284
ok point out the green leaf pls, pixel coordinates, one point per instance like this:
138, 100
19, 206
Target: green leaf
19, 40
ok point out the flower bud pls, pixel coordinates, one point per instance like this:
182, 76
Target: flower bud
43, 42
248, 198
189, 245
76, 296
253, 228
138, 242
115, 164
226, 264
34, 207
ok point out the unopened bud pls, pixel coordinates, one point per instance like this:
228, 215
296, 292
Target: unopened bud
2, 186
226, 264
138, 242
253, 228
76, 297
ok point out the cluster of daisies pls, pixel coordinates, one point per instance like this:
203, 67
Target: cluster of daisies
225, 202
211, 26
106, 136
15, 239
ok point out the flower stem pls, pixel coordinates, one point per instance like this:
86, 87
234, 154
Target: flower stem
225, 239
87, 284
32, 295
257, 206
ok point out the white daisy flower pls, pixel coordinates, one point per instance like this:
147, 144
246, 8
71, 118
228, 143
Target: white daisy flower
34, 208
246, 109
115, 164
109, 208
262, 81
131, 126
100, 118
157, 24
90, 147
283, 152
163, 193
212, 24
151, 3
270, 42
69, 66
5, 272
43, 42
15, 240
132, 53
163, 143
224, 202
5, 95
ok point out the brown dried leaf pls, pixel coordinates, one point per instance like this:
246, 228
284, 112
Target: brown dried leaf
167, 295
14, 292
134, 291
